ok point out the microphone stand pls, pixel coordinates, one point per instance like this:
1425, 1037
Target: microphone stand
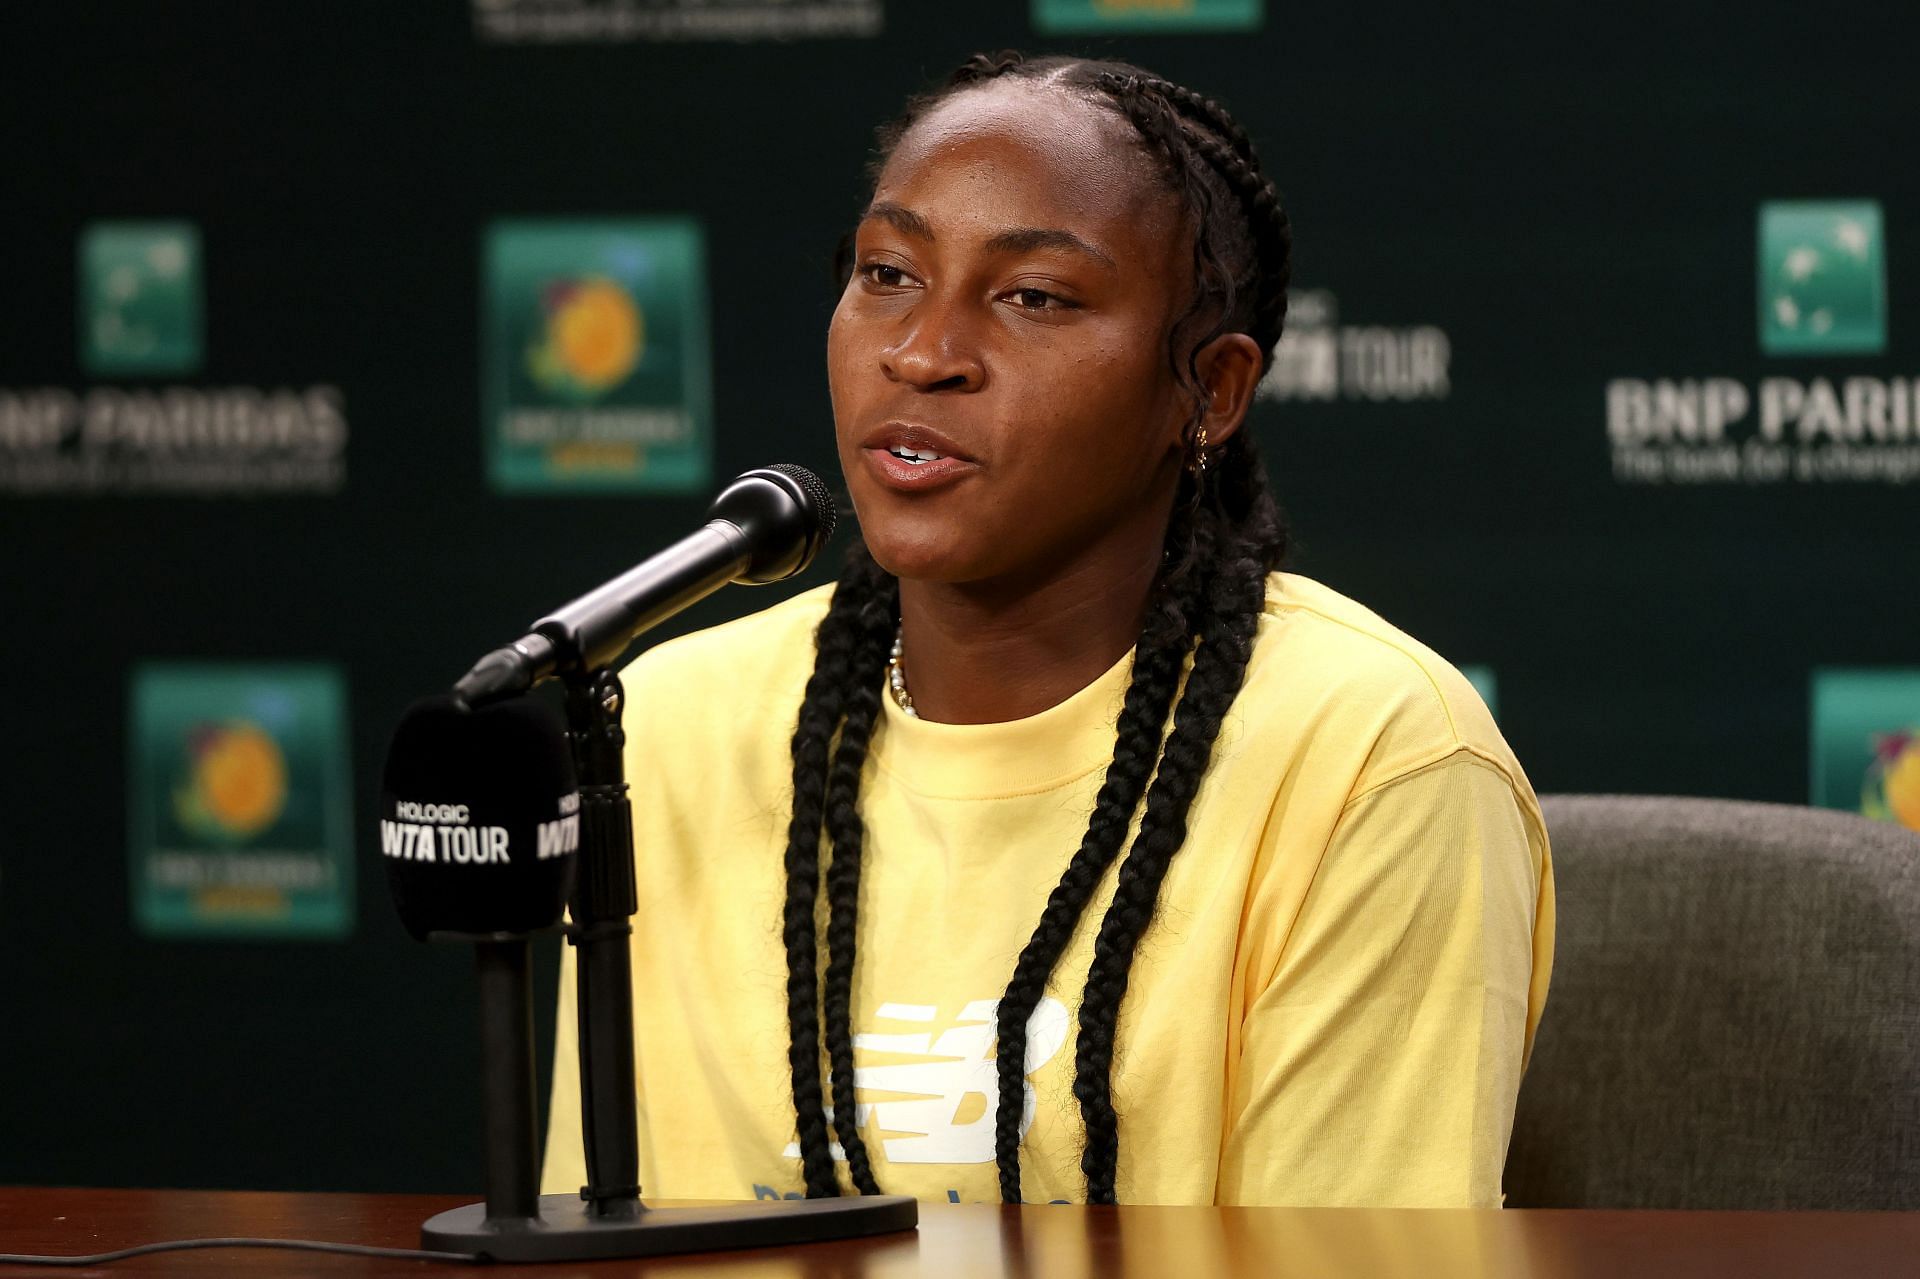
607, 1218
604, 901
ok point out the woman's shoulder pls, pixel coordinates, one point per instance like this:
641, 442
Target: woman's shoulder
1355, 677
751, 665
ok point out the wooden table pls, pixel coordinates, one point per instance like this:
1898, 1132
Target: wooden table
1046, 1242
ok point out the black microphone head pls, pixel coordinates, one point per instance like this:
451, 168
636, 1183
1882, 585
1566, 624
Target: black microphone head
814, 492
786, 514
479, 817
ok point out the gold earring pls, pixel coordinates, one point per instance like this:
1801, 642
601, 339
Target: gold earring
1199, 465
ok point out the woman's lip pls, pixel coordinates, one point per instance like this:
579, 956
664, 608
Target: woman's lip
916, 477
912, 436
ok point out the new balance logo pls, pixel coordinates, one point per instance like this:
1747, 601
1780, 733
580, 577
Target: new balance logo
927, 1097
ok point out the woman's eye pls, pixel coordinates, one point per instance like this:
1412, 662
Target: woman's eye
884, 274
1032, 299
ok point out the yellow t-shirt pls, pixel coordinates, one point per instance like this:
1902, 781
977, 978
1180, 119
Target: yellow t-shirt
1333, 1004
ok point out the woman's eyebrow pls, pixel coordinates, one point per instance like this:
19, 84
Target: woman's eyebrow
1025, 239
901, 218
1014, 240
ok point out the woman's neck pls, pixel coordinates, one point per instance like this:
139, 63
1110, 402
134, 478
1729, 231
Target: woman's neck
983, 653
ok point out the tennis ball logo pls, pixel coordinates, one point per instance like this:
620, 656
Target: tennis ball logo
236, 783
1890, 791
595, 334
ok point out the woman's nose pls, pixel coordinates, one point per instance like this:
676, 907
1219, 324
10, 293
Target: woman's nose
937, 350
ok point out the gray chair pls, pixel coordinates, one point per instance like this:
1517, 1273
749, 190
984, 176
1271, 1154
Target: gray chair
1734, 1018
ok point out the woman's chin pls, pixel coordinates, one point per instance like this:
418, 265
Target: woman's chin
923, 556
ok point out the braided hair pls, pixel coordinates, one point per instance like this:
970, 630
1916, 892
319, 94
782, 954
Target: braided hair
1224, 536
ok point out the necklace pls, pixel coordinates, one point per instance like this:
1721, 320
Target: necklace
897, 678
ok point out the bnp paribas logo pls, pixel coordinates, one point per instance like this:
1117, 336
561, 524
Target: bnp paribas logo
1821, 275
140, 298
240, 811
1147, 15
1822, 278
1866, 743
596, 369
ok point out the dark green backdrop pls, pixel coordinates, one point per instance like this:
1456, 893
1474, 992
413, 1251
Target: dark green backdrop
1571, 199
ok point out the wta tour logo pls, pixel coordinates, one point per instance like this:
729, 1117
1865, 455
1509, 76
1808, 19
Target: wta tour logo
1821, 293
596, 370
239, 811
1866, 743
1319, 358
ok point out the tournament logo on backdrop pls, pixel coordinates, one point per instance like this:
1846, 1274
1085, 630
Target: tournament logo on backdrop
1821, 293
618, 21
1075, 16
1822, 278
1318, 358
596, 369
240, 804
1866, 743
140, 298
141, 310
1891, 790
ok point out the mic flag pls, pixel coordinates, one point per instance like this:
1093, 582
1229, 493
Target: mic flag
479, 817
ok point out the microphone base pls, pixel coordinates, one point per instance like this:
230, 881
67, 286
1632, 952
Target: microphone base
564, 1232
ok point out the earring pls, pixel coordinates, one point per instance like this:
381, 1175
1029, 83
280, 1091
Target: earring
1198, 466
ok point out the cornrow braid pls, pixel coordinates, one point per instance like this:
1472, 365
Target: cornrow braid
1191, 128
1154, 119
1205, 109
1266, 216
1263, 205
1225, 534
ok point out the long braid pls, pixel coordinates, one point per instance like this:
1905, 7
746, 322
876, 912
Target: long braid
835, 674
875, 624
1158, 658
1220, 663
1250, 299
1225, 536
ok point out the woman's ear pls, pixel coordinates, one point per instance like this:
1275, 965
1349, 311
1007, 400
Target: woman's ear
1229, 369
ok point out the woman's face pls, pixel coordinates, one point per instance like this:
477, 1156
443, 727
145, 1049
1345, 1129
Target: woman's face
1015, 280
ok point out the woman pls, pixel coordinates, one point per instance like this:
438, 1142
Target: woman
1105, 862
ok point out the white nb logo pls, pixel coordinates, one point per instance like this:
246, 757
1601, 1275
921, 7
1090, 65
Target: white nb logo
955, 1077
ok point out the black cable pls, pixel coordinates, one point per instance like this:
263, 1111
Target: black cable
299, 1245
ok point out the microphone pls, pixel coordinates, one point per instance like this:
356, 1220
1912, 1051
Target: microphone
488, 803
766, 526
479, 818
